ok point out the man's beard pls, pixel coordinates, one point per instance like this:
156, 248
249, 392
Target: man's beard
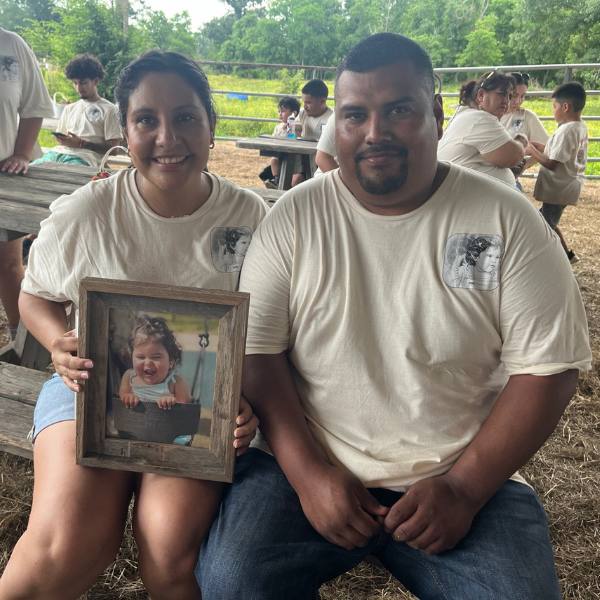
380, 186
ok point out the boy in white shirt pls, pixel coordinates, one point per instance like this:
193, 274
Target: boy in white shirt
89, 127
563, 159
313, 117
287, 107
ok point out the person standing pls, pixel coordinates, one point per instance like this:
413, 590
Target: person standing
24, 102
563, 159
397, 400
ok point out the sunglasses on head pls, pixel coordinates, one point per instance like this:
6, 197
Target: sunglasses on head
486, 76
524, 76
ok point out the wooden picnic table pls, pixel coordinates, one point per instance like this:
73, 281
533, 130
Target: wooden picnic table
24, 199
287, 150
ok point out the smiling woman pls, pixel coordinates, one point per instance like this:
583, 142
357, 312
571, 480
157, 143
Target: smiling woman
475, 138
159, 221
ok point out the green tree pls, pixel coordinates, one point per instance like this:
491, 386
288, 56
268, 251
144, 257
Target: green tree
153, 29
482, 46
15, 15
82, 26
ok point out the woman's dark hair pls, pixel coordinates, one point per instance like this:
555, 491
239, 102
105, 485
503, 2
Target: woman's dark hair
232, 236
156, 328
157, 61
289, 103
520, 78
490, 82
474, 248
84, 66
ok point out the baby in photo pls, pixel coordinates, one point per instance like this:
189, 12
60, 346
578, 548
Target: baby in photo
154, 353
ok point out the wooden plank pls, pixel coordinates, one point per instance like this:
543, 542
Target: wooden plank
20, 384
268, 195
60, 172
278, 145
33, 191
17, 419
18, 216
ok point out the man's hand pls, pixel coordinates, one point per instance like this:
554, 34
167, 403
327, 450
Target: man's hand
70, 140
15, 164
66, 362
433, 515
340, 508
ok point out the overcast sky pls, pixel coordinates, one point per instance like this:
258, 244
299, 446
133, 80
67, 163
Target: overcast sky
200, 11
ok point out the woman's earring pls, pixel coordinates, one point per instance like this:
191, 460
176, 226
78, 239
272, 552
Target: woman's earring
212, 144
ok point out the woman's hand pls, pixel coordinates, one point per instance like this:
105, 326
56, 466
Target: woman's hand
66, 362
247, 423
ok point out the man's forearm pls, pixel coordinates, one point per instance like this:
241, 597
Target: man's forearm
523, 417
270, 389
27, 136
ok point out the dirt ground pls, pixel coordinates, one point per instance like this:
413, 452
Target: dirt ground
566, 472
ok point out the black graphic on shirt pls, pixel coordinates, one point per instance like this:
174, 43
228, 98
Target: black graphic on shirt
228, 246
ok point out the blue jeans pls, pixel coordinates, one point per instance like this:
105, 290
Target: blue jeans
261, 547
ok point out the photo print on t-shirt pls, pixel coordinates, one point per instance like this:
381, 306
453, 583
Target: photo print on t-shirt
94, 114
9, 68
473, 260
228, 246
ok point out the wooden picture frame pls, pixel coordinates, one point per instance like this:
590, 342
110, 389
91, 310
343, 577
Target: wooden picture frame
193, 438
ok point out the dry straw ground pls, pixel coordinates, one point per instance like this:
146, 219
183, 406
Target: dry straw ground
566, 472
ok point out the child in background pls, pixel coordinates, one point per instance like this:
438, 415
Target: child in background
154, 354
563, 159
312, 119
288, 106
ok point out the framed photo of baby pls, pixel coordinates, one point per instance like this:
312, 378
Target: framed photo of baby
167, 377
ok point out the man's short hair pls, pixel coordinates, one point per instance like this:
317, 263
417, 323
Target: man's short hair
290, 103
384, 49
572, 92
84, 66
316, 88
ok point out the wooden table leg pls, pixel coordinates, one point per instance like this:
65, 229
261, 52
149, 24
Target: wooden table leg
286, 170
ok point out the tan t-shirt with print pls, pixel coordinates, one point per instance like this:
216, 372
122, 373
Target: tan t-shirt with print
404, 329
105, 229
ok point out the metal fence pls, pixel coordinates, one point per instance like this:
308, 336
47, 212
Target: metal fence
317, 70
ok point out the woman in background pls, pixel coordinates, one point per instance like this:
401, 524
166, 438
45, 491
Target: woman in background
475, 138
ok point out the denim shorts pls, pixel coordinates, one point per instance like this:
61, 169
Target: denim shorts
55, 403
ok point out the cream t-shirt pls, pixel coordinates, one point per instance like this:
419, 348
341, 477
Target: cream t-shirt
23, 93
470, 134
105, 229
94, 122
568, 146
326, 142
398, 356
312, 126
526, 122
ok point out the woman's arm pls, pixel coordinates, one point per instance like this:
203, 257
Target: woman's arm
325, 161
47, 322
508, 155
24, 144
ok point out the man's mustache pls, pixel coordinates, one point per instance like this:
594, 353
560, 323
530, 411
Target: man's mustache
378, 149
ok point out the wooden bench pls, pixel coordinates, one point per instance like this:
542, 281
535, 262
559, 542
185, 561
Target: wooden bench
19, 389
